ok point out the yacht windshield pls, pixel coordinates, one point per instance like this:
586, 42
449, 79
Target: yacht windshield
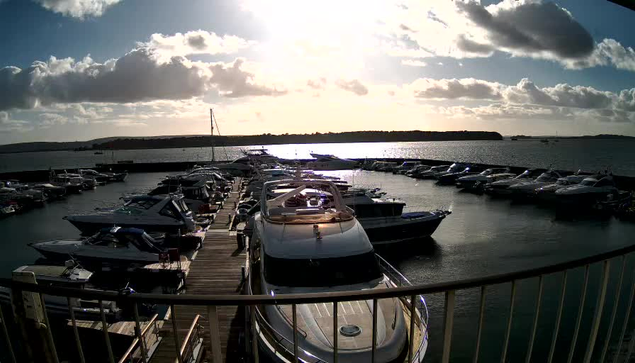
588, 182
544, 178
335, 271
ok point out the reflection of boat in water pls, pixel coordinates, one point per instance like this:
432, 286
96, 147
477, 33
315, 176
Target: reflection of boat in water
306, 240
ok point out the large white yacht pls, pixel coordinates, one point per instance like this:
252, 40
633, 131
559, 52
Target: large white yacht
306, 240
588, 191
167, 214
528, 188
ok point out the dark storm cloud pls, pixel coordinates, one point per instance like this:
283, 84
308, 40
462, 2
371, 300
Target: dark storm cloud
456, 88
470, 46
533, 27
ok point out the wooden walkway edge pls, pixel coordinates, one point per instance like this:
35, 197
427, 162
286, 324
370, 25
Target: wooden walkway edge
217, 270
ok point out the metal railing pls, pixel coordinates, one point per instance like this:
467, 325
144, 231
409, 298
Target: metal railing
137, 344
409, 293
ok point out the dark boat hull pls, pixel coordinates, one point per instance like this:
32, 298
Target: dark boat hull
401, 230
90, 228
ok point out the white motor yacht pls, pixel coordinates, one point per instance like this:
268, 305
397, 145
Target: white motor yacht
501, 187
486, 176
589, 191
305, 240
454, 168
114, 247
167, 214
431, 172
330, 162
528, 188
70, 276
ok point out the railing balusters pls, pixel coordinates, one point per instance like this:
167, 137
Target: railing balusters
626, 318
335, 331
580, 311
509, 321
597, 315
49, 333
8, 338
214, 333
411, 340
137, 328
175, 334
614, 311
554, 337
254, 335
448, 325
374, 337
294, 314
104, 328
631, 346
479, 329
78, 342
536, 316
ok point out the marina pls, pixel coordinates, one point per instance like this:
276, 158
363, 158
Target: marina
532, 236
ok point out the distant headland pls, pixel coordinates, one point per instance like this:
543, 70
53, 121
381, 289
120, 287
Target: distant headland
165, 142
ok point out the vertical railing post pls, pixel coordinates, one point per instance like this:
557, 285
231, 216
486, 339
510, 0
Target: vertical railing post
140, 337
554, 336
626, 318
580, 311
618, 292
535, 325
175, 332
294, 314
7, 337
597, 316
448, 325
335, 332
104, 328
254, 335
373, 344
78, 342
411, 340
479, 329
214, 333
509, 321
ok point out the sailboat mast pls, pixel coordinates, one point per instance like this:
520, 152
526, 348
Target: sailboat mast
211, 115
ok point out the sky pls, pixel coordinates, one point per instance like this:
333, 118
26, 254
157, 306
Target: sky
83, 69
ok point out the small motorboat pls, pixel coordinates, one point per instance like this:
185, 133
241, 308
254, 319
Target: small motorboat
454, 168
528, 188
501, 187
417, 170
330, 162
486, 176
73, 183
99, 178
51, 191
111, 247
305, 240
405, 167
589, 191
385, 222
431, 172
168, 214
451, 178
70, 276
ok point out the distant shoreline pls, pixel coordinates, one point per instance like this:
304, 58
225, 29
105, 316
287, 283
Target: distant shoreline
138, 143
198, 141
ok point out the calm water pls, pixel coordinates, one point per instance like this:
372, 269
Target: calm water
482, 236
566, 154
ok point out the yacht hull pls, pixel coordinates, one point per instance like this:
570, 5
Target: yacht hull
399, 229
91, 227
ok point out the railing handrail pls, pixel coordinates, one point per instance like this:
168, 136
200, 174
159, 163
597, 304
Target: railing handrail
136, 341
186, 341
229, 300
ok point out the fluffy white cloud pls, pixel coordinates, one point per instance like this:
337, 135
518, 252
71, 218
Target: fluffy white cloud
233, 82
80, 9
194, 42
9, 125
413, 63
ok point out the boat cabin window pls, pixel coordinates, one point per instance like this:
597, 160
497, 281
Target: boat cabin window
604, 183
335, 271
588, 182
106, 240
170, 210
142, 203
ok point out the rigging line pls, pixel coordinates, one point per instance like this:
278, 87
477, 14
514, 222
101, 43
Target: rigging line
218, 129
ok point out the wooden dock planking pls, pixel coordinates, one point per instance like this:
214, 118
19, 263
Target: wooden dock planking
217, 270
